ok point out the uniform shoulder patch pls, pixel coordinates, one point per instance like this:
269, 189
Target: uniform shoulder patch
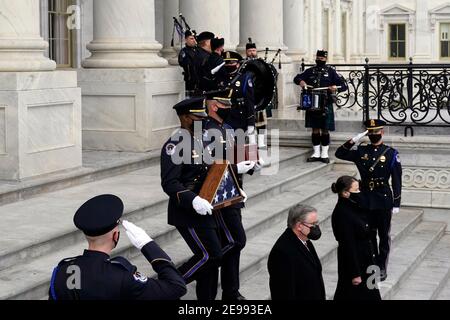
397, 158
250, 83
170, 149
139, 277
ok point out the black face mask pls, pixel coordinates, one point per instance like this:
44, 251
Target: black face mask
230, 69
321, 63
375, 138
223, 113
116, 241
355, 197
314, 233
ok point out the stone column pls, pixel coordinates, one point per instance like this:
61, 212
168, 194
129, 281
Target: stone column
294, 28
262, 20
211, 16
316, 28
422, 50
124, 35
337, 32
171, 9
357, 32
127, 96
234, 23
40, 110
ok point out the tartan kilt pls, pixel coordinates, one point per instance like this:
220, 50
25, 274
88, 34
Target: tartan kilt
321, 120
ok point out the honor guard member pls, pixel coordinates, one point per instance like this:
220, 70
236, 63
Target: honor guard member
377, 163
250, 50
201, 60
183, 171
96, 276
229, 218
186, 59
213, 72
243, 114
321, 122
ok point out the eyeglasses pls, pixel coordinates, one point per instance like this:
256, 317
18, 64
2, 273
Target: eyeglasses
315, 224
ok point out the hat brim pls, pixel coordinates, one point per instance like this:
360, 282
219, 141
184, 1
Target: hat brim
199, 113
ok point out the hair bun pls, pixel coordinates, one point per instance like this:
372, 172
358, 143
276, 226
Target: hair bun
333, 187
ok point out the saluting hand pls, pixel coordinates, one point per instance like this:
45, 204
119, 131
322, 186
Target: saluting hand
138, 237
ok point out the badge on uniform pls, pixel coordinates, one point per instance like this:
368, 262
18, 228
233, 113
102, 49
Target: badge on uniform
383, 159
195, 154
366, 157
170, 149
238, 84
250, 83
139, 277
397, 157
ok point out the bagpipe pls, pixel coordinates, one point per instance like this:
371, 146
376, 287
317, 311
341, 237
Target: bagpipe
180, 27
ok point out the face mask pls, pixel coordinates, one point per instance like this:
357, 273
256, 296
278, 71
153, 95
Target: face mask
375, 138
355, 197
116, 241
314, 233
321, 63
230, 69
223, 113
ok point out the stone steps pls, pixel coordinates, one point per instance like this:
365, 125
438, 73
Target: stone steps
97, 165
142, 196
47, 253
429, 278
256, 286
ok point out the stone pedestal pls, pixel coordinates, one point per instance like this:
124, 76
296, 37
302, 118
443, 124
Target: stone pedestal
288, 91
40, 123
129, 109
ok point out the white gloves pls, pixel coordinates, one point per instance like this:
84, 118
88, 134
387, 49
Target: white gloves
259, 165
355, 139
395, 210
202, 206
250, 130
138, 237
245, 166
244, 195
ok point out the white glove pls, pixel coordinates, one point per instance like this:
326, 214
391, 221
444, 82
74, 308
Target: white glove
202, 206
244, 195
138, 237
355, 139
250, 130
245, 166
259, 165
395, 210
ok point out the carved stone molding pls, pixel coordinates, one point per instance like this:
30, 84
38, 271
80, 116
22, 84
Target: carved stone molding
423, 178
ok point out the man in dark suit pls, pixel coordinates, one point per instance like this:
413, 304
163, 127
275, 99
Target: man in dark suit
294, 266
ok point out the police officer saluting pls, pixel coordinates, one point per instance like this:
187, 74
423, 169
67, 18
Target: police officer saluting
99, 277
321, 121
186, 59
377, 163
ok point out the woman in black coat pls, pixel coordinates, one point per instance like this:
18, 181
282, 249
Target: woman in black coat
355, 250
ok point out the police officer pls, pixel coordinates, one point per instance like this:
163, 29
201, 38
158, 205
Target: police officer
202, 58
186, 59
243, 114
377, 163
214, 74
229, 218
321, 122
96, 276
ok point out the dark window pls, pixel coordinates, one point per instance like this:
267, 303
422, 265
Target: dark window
60, 37
397, 41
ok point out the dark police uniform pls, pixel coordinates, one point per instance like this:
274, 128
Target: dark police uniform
209, 81
376, 165
96, 276
319, 77
243, 113
186, 59
229, 218
182, 181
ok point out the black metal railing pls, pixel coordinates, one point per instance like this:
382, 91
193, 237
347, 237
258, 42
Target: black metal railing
401, 94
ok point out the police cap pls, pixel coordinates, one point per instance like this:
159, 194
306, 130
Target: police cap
374, 124
205, 35
195, 106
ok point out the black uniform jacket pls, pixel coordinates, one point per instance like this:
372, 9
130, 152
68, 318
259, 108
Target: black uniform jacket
104, 278
375, 182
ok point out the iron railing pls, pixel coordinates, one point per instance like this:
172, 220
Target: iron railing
405, 95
